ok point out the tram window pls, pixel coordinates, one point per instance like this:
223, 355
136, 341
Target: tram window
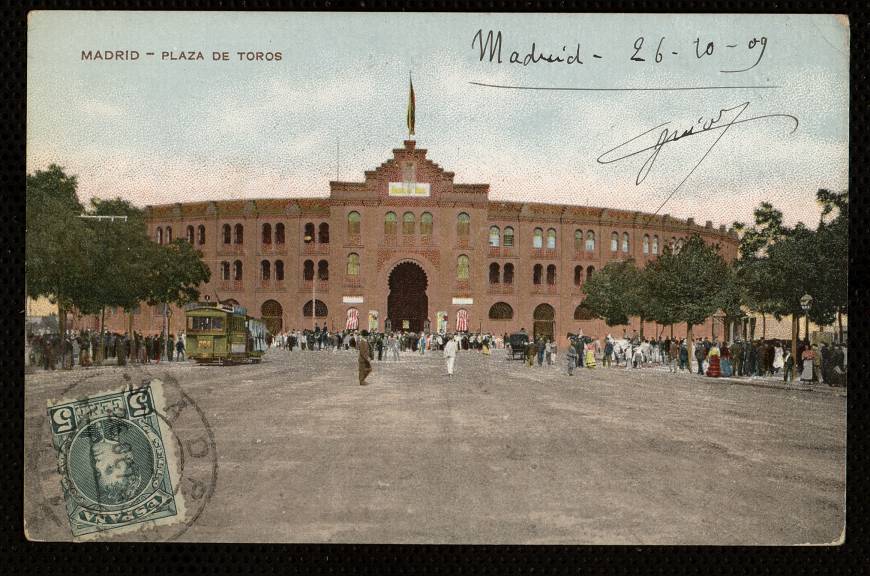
203, 323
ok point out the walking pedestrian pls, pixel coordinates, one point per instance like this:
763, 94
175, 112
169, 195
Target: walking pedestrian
364, 362
450, 354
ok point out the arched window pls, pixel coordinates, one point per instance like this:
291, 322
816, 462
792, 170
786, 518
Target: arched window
494, 236
614, 242
190, 234
159, 235
501, 311
462, 267
169, 234
590, 241
279, 233
538, 238
390, 224
323, 270
353, 220
589, 272
320, 310
494, 273
279, 270
267, 233
551, 274
551, 239
201, 233
508, 277
508, 237
625, 244
323, 233
582, 312
463, 225
645, 244
426, 224
353, 264
578, 275
308, 270
537, 274
409, 222
225, 270
578, 240
265, 270
308, 237
237, 270
655, 246
240, 234
227, 233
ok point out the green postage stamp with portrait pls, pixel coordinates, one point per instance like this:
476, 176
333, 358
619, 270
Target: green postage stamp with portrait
113, 462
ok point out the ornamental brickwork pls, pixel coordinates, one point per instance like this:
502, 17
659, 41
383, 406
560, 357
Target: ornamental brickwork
475, 253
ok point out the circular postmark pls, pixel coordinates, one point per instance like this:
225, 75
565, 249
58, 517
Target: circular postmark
114, 472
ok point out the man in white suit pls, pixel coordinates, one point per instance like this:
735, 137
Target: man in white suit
450, 354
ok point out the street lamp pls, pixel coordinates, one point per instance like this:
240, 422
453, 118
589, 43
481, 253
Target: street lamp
806, 303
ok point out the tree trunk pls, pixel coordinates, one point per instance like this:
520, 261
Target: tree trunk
763, 325
672, 331
61, 317
840, 325
641, 327
690, 344
98, 353
795, 328
165, 331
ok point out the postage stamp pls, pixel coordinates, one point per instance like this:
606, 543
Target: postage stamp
116, 469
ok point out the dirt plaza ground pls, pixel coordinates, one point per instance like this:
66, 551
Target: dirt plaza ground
499, 453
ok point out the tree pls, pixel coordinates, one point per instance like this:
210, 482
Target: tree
175, 272
692, 284
607, 292
833, 237
119, 262
750, 268
56, 263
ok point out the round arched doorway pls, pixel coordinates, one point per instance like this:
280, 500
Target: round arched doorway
407, 303
545, 322
272, 314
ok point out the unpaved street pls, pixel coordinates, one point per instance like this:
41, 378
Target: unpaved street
499, 453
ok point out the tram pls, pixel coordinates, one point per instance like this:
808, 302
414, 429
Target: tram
223, 334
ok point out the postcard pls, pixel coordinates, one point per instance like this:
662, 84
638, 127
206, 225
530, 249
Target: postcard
436, 278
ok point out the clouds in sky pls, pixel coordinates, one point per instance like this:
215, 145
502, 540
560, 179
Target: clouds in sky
159, 132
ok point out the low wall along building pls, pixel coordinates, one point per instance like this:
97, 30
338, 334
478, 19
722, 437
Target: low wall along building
409, 246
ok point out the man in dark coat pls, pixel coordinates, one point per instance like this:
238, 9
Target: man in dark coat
365, 363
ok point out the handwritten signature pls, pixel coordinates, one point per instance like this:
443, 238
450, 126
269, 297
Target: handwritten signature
723, 121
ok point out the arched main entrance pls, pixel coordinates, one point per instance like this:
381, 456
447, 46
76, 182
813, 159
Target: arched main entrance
545, 322
407, 301
272, 314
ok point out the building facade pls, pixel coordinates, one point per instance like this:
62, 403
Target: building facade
409, 248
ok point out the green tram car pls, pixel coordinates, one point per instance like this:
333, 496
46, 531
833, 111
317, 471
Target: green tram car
223, 334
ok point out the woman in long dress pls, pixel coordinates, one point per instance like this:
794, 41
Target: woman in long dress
778, 361
713, 364
807, 357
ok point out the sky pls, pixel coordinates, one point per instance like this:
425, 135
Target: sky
158, 131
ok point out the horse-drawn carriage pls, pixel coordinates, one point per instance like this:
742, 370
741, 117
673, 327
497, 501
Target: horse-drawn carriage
516, 345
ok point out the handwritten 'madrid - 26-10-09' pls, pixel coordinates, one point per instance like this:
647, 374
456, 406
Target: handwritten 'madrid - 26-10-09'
454, 278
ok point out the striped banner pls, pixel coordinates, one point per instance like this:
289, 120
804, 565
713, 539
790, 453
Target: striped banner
352, 319
462, 320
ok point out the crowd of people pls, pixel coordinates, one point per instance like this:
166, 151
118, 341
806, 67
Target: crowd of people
383, 345
86, 348
823, 363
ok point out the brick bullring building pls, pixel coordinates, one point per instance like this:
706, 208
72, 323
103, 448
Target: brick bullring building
410, 248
